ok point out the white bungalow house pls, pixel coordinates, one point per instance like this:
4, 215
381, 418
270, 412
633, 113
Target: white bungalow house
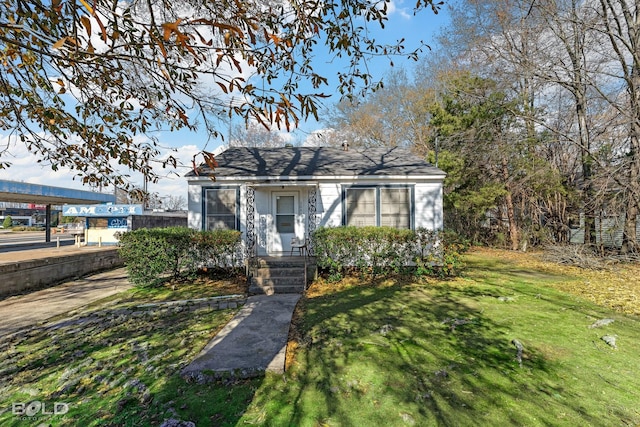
273, 195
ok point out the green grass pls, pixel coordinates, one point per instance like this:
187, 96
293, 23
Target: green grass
369, 353
119, 370
386, 354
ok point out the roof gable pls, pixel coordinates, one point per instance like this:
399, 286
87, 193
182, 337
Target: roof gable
307, 162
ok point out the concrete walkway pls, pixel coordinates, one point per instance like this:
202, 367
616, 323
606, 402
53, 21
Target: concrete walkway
34, 308
253, 342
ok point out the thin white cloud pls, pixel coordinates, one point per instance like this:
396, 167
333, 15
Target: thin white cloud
404, 14
395, 8
391, 7
25, 168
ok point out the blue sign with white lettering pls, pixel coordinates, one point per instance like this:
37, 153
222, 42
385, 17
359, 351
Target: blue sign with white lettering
101, 210
117, 223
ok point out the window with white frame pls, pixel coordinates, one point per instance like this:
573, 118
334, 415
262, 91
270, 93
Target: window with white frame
378, 206
220, 208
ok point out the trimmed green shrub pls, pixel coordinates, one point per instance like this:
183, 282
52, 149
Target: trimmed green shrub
152, 255
8, 222
26, 228
219, 248
387, 250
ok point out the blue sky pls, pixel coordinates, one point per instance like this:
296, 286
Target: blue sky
401, 24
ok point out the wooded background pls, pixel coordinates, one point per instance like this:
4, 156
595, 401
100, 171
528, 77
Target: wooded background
533, 109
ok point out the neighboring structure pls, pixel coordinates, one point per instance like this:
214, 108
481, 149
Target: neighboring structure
22, 192
103, 223
159, 219
608, 230
274, 195
27, 214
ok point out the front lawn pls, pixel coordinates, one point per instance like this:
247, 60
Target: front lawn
362, 352
442, 353
118, 362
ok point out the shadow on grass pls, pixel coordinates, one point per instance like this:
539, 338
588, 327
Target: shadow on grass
504, 279
486, 266
120, 370
419, 355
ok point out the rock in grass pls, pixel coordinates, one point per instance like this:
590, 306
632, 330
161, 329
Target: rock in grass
408, 419
519, 349
610, 340
601, 322
455, 322
171, 422
385, 329
442, 374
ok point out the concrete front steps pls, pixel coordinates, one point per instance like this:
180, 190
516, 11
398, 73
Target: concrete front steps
280, 275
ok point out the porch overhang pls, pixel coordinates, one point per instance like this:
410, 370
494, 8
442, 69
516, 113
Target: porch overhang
315, 180
283, 184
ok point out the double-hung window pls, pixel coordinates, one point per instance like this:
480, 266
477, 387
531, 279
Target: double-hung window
221, 210
361, 206
395, 207
378, 206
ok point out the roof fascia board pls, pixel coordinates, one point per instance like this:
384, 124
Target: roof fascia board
275, 179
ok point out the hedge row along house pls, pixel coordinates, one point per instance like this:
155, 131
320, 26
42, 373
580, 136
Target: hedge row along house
276, 195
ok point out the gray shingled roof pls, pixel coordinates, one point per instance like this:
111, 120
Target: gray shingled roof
298, 162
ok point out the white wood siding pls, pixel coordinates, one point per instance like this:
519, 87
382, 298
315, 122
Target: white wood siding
194, 220
428, 205
329, 205
427, 208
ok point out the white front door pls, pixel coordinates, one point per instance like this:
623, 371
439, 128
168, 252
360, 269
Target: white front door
284, 208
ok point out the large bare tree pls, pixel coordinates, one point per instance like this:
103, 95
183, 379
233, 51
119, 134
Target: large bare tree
506, 42
254, 134
567, 25
395, 115
620, 23
565, 59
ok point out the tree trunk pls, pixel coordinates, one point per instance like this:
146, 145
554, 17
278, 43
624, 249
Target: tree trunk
629, 234
586, 160
511, 217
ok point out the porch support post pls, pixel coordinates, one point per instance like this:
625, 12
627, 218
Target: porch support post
312, 209
251, 208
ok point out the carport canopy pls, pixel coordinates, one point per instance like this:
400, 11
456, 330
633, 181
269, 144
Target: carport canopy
22, 192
